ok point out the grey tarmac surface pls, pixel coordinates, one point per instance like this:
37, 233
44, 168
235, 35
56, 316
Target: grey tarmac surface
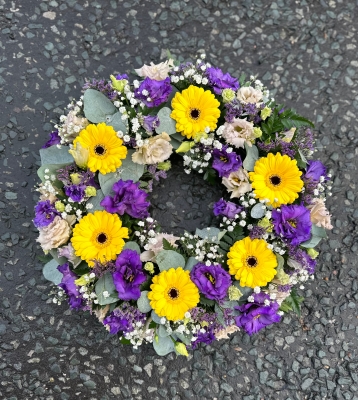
306, 51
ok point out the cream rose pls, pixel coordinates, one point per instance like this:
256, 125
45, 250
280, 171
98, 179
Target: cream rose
249, 95
319, 214
238, 132
157, 72
153, 249
55, 234
155, 150
237, 183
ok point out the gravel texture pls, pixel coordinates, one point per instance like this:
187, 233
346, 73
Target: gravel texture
306, 51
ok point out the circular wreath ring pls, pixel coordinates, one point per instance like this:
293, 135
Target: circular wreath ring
105, 252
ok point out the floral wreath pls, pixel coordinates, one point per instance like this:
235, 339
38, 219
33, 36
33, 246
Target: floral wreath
106, 253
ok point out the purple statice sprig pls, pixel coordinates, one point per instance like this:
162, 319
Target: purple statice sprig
155, 175
124, 319
102, 86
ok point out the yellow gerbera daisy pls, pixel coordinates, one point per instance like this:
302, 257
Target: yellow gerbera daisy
277, 178
252, 262
195, 109
173, 294
105, 148
99, 236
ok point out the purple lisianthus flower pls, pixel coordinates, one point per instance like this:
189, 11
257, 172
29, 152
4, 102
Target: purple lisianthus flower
212, 281
220, 81
129, 275
292, 223
128, 198
225, 162
116, 324
75, 192
206, 337
226, 208
75, 299
315, 170
54, 139
150, 122
156, 91
119, 77
45, 214
257, 315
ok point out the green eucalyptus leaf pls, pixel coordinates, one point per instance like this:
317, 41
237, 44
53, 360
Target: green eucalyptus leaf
132, 246
105, 283
116, 122
190, 263
55, 155
167, 259
97, 106
309, 244
162, 332
175, 143
51, 273
55, 256
130, 170
163, 346
186, 339
318, 231
177, 136
95, 201
229, 304
143, 302
210, 233
245, 290
303, 158
167, 124
252, 155
155, 317
108, 180
258, 211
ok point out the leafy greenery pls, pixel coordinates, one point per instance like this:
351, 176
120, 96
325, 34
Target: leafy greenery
229, 239
168, 246
285, 120
292, 303
210, 176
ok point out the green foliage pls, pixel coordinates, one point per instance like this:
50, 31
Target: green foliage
105, 283
51, 273
167, 259
252, 155
228, 240
211, 176
82, 269
292, 303
167, 124
284, 121
143, 302
242, 79
207, 302
55, 156
168, 246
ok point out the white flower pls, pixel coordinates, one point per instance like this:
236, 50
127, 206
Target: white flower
154, 150
237, 183
157, 72
248, 94
239, 132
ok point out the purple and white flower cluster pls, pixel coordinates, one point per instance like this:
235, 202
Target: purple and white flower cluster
249, 127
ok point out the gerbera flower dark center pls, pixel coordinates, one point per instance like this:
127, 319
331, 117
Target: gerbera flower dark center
100, 150
194, 113
173, 293
102, 238
210, 277
275, 180
251, 261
